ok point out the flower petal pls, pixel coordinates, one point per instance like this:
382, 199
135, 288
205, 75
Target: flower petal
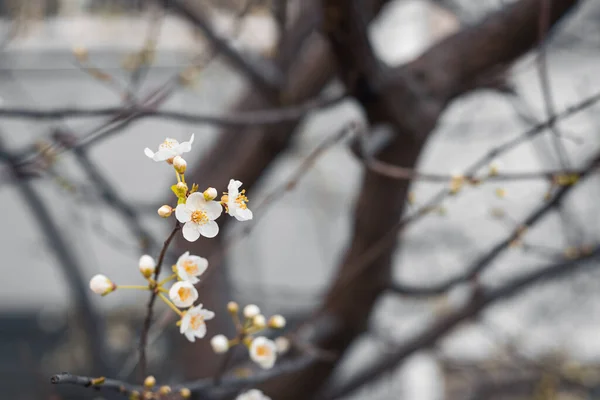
191, 279
209, 230
213, 209
201, 332
191, 231
243, 214
163, 155
195, 201
207, 314
190, 336
234, 185
183, 214
148, 152
202, 264
185, 323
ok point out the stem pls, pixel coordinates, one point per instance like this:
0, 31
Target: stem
148, 320
139, 287
170, 304
178, 177
167, 279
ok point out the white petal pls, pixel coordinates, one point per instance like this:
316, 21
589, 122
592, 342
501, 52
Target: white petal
201, 332
202, 264
213, 209
267, 363
209, 230
182, 213
190, 336
242, 214
207, 314
191, 231
148, 152
163, 155
191, 279
233, 187
195, 201
184, 256
185, 323
191, 139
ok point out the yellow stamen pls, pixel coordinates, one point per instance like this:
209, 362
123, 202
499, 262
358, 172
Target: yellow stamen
199, 217
190, 267
184, 293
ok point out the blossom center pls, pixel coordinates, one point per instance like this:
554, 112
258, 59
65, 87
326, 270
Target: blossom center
168, 144
190, 267
184, 293
263, 351
199, 217
241, 200
196, 321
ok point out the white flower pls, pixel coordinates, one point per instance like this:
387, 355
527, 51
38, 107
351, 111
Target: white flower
253, 394
263, 352
198, 215
219, 344
100, 284
236, 202
259, 321
251, 311
183, 294
147, 265
190, 267
192, 323
168, 149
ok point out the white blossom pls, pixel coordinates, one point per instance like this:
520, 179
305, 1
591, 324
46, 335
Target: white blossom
193, 322
277, 322
263, 352
253, 394
219, 344
282, 344
251, 311
190, 267
198, 217
169, 149
183, 294
236, 202
147, 265
100, 284
259, 321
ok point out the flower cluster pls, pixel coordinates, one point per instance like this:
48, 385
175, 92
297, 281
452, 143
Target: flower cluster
262, 350
196, 213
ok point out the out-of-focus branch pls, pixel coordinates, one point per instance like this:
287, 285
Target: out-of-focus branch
261, 72
90, 318
100, 384
432, 334
153, 295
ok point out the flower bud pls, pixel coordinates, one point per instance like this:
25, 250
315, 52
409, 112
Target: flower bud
233, 307
282, 344
149, 382
251, 311
210, 194
180, 190
219, 344
179, 164
147, 265
185, 393
100, 284
277, 322
164, 390
80, 53
259, 321
165, 211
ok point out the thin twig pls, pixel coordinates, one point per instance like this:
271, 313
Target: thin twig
153, 295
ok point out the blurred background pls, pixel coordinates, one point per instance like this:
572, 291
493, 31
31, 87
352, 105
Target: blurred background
51, 55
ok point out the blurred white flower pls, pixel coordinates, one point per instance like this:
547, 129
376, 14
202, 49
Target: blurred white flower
259, 321
236, 202
183, 294
147, 265
190, 267
193, 322
168, 149
282, 344
198, 217
263, 352
219, 343
253, 394
251, 311
100, 284
277, 322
